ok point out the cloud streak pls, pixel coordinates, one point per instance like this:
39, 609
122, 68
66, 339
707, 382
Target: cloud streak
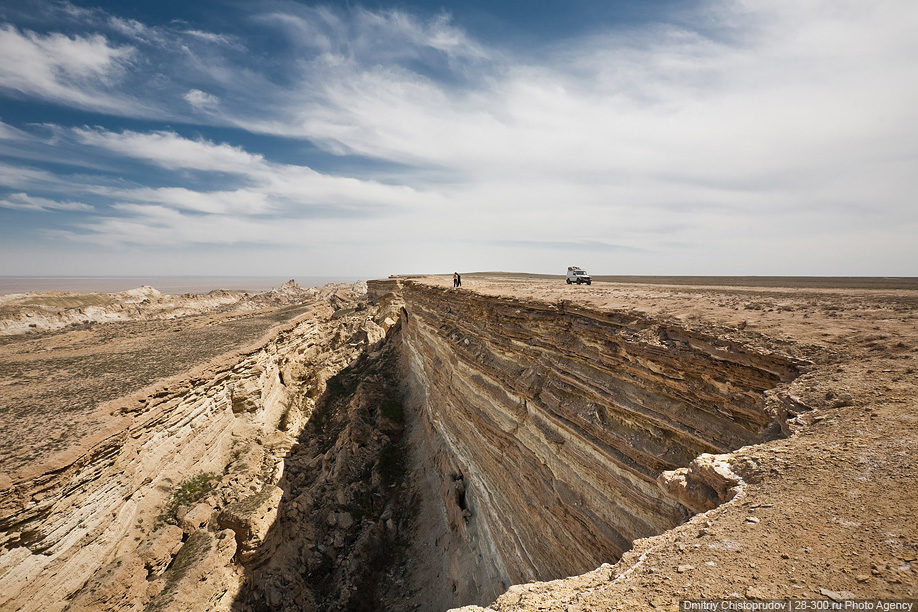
22, 201
282, 181
278, 203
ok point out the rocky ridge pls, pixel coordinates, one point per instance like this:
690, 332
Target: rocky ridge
161, 513
24, 312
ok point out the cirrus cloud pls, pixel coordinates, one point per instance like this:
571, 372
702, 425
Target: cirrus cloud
77, 70
23, 201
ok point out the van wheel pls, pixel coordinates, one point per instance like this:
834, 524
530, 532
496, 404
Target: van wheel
568, 281
589, 282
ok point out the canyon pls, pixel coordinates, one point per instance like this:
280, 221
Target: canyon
516, 444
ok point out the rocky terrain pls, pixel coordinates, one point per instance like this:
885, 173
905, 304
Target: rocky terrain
564, 416
153, 495
517, 444
70, 373
824, 510
31, 312
340, 539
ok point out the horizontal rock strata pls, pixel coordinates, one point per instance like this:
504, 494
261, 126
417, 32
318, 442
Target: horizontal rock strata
534, 441
159, 513
541, 429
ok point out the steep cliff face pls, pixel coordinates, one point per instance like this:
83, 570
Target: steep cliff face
161, 514
341, 530
540, 431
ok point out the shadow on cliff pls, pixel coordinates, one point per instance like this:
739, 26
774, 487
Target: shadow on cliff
342, 527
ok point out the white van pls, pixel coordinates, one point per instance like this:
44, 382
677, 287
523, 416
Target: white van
576, 275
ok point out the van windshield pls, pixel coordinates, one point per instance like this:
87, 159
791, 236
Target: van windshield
580, 272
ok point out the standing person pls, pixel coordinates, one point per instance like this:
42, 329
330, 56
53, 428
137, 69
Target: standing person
455, 279
458, 279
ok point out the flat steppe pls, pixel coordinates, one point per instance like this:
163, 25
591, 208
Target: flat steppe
828, 512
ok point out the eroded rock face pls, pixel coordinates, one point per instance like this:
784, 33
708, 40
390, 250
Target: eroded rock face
542, 430
160, 514
347, 514
250, 519
534, 441
24, 312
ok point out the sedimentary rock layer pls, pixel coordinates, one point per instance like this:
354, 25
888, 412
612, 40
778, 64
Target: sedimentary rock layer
347, 512
26, 312
101, 534
542, 428
535, 436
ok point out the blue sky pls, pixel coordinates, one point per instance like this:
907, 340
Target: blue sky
363, 139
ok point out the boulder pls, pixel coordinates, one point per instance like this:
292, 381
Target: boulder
371, 333
706, 483
197, 517
251, 519
167, 542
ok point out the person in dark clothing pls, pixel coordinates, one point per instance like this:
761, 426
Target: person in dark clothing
458, 279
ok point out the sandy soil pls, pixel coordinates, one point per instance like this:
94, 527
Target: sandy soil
830, 511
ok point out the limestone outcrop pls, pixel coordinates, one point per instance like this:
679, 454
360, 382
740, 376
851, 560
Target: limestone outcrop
161, 512
542, 429
707, 482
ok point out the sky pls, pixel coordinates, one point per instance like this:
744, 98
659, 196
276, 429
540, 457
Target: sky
771, 137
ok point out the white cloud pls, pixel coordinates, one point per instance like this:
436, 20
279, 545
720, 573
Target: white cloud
210, 37
14, 176
373, 36
747, 137
266, 189
398, 34
270, 185
237, 202
785, 112
22, 201
134, 29
76, 70
201, 100
667, 101
115, 65
8, 132
169, 150
159, 35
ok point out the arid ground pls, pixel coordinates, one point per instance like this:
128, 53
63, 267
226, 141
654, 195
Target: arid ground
827, 512
52, 382
55, 380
